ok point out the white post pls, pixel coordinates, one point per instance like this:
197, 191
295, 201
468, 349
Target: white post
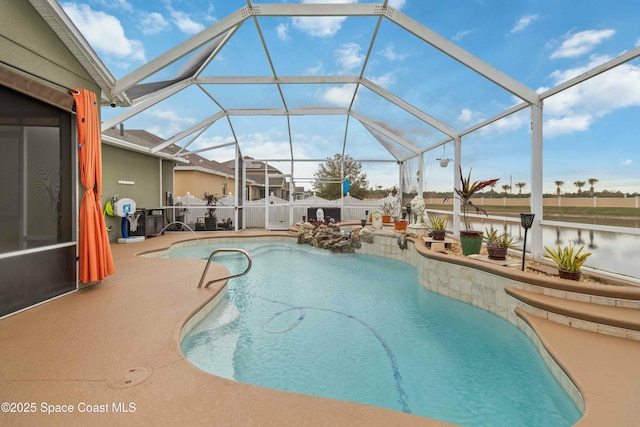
236, 188
457, 155
400, 187
267, 195
536, 179
421, 175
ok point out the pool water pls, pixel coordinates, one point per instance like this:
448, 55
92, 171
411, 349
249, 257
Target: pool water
361, 328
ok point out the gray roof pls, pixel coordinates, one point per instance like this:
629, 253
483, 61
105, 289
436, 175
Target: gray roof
145, 140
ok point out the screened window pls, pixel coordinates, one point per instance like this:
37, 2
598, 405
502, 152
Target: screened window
35, 172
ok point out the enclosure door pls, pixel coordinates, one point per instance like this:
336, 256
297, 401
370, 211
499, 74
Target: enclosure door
37, 239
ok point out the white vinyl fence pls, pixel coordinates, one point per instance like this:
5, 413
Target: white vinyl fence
282, 213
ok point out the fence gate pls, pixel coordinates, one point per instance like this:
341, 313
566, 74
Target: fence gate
278, 211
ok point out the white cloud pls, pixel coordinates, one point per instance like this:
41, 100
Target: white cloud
575, 109
627, 162
523, 23
104, 32
385, 80
118, 4
461, 34
397, 4
391, 54
340, 96
468, 116
153, 23
567, 124
349, 56
283, 32
318, 26
185, 23
171, 122
581, 43
560, 76
314, 70
507, 124
325, 26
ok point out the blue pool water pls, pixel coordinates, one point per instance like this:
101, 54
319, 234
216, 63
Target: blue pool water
361, 328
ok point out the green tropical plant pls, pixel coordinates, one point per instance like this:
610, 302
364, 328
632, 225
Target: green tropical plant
212, 200
567, 257
504, 240
438, 222
467, 190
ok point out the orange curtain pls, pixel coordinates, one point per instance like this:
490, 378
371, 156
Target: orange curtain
96, 261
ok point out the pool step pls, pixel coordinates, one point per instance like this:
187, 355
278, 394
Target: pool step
612, 319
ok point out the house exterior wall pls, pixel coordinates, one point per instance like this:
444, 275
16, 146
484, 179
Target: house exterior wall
148, 173
197, 182
26, 41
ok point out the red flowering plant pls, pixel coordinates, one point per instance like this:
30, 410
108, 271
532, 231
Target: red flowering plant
467, 190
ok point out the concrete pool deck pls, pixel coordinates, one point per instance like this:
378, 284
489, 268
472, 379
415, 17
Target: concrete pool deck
117, 343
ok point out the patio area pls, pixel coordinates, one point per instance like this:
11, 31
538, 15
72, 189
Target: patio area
113, 348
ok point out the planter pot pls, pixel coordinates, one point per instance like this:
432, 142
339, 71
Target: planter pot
471, 242
386, 219
400, 225
438, 234
571, 275
497, 252
210, 224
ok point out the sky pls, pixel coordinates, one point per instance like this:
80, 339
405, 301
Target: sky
590, 131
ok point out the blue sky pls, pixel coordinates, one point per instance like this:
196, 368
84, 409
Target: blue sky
590, 131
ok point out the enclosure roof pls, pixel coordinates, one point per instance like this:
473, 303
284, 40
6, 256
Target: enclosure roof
222, 86
147, 86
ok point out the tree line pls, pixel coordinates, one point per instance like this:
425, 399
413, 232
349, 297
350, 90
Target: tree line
328, 185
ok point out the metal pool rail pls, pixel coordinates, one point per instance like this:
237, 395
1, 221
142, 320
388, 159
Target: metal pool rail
204, 273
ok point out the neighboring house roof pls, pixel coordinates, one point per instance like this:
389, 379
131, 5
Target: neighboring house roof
141, 140
252, 166
274, 182
202, 164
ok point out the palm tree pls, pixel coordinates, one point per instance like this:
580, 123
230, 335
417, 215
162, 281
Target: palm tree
558, 185
493, 187
506, 188
592, 190
579, 184
520, 185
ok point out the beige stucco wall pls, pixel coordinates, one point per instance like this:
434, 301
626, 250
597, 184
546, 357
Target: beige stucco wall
197, 182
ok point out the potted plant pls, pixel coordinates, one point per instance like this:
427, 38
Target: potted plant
211, 220
470, 240
389, 209
568, 259
438, 225
498, 244
400, 225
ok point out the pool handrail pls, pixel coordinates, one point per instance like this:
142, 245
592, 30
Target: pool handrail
206, 268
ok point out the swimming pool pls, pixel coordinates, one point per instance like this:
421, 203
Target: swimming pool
361, 328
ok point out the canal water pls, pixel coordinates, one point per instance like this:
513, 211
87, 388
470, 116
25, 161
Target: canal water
612, 252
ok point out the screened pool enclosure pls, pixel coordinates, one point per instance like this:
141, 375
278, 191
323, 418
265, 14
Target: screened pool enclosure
237, 76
